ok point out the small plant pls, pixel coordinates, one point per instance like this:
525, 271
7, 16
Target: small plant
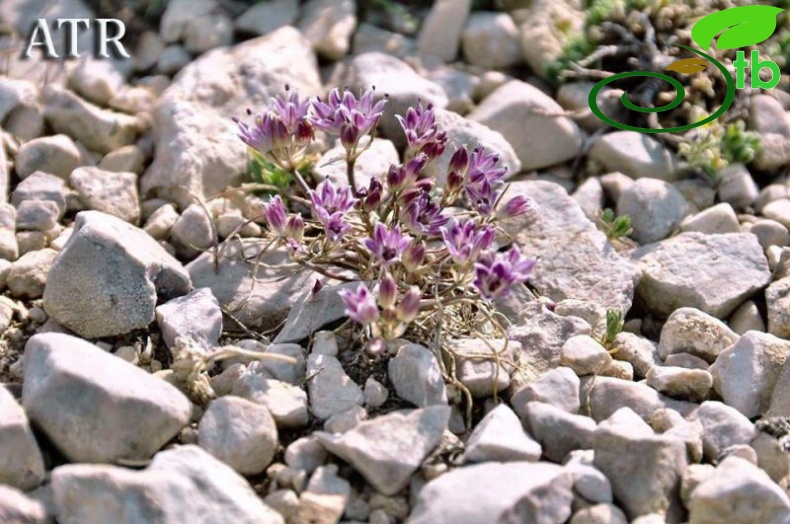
614, 326
613, 226
715, 148
422, 260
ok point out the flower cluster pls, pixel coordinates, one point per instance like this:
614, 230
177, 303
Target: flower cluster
423, 253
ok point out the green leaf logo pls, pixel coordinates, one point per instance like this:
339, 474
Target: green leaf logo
743, 26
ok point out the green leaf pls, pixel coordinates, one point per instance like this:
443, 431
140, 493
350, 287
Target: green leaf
743, 26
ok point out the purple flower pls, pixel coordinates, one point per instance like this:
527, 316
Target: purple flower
516, 206
385, 245
422, 133
402, 177
327, 199
275, 214
360, 305
482, 198
335, 226
496, 273
421, 215
294, 228
281, 131
344, 116
480, 168
466, 240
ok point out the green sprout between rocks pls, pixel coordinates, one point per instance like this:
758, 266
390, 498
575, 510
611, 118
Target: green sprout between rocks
614, 226
614, 326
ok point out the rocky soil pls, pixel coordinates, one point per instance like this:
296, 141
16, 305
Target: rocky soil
127, 264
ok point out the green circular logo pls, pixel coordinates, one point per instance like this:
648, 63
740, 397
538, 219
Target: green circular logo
680, 95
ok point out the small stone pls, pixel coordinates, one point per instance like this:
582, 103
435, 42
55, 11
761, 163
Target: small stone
325, 498
645, 469
328, 25
57, 155
173, 59
558, 387
584, 355
18, 507
128, 159
636, 155
161, 222
714, 220
9, 247
723, 427
305, 453
182, 484
283, 501
98, 129
146, 54
313, 311
343, 422
747, 318
28, 274
132, 413
589, 196
607, 394
331, 391
539, 141
499, 437
264, 17
772, 457
694, 475
240, 433
370, 38
491, 40
21, 464
721, 496
440, 34
676, 382
770, 233
458, 86
192, 232
179, 13
108, 277
686, 360
778, 210
96, 80
689, 330
515, 492
109, 192
375, 393
41, 186
287, 403
476, 365
588, 482
599, 514
36, 215
195, 315
416, 376
745, 374
207, 32
615, 184
736, 186
292, 372
655, 208
670, 280
388, 449
765, 116
557, 431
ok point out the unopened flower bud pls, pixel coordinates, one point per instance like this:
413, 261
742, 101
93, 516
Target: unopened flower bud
414, 256
388, 291
294, 228
516, 206
373, 197
409, 307
274, 211
460, 160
